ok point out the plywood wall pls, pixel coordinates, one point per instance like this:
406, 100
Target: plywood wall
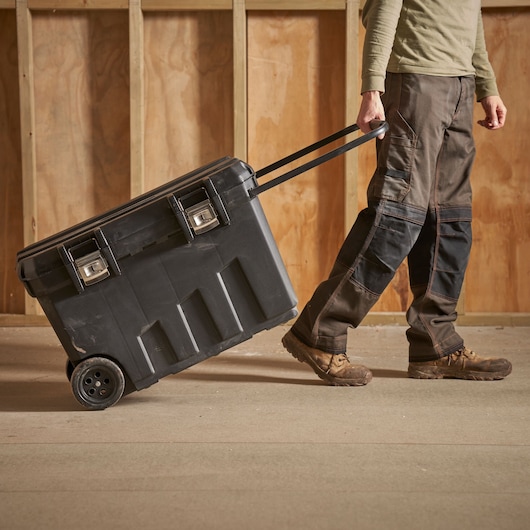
296, 97
81, 78
499, 278
11, 231
191, 88
189, 94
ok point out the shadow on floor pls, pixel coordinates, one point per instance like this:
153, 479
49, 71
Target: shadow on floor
46, 396
36, 396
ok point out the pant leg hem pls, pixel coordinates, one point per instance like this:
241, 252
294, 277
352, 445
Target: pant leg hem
324, 344
428, 353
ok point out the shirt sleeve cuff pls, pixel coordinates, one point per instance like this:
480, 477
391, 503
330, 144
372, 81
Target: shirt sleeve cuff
373, 82
486, 87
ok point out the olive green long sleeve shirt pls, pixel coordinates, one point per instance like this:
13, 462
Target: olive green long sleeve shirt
432, 37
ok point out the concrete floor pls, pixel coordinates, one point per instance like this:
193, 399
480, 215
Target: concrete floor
251, 439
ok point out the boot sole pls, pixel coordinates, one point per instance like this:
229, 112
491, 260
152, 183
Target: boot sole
298, 350
423, 373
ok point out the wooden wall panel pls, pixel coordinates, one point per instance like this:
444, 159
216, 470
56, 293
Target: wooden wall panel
499, 271
82, 115
295, 97
189, 94
11, 216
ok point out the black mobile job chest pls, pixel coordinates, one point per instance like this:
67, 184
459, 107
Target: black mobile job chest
166, 280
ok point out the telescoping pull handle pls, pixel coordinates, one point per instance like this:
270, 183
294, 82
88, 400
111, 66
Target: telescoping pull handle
378, 127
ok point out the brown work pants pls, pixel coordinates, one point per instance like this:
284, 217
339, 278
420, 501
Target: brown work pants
419, 207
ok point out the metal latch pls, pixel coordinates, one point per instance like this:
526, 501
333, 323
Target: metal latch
92, 268
202, 217
199, 211
89, 261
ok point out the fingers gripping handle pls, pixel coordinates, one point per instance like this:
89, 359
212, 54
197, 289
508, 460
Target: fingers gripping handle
378, 128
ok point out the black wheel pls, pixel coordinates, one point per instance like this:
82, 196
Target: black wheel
97, 383
69, 369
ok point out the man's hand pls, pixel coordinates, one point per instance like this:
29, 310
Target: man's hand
371, 109
495, 113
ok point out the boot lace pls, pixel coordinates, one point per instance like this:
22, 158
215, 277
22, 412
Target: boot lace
341, 358
461, 355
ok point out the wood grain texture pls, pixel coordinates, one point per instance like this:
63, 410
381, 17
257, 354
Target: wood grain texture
189, 92
11, 215
295, 97
82, 118
269, 5
78, 4
296, 77
240, 66
498, 279
185, 5
161, 5
137, 97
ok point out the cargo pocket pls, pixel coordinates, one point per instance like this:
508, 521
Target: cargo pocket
392, 178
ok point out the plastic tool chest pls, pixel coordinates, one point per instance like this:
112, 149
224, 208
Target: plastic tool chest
166, 280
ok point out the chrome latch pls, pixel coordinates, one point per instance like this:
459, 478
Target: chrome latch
199, 211
202, 217
92, 268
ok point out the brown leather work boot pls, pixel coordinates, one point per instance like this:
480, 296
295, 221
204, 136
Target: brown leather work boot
463, 364
335, 369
